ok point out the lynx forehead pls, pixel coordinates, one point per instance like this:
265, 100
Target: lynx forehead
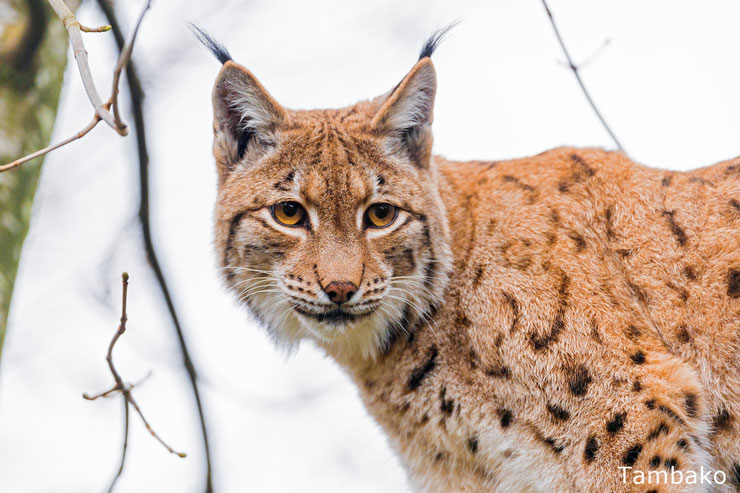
564, 322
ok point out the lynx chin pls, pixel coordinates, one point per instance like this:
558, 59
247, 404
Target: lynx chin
534, 324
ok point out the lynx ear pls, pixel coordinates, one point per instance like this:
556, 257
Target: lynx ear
406, 114
244, 113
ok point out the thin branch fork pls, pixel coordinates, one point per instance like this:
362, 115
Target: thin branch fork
575, 69
125, 389
102, 109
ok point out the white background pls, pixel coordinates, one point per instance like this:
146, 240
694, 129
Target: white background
667, 83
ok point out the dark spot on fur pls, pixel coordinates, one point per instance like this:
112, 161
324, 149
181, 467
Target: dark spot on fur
656, 461
540, 343
735, 473
501, 371
446, 405
579, 241
721, 421
691, 405
505, 416
477, 276
671, 413
592, 446
553, 445
682, 334
638, 292
473, 444
638, 358
558, 412
616, 423
633, 332
631, 455
579, 380
733, 283
689, 272
418, 375
514, 304
677, 231
661, 429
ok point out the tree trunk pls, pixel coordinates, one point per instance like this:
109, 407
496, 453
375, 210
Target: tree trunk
33, 55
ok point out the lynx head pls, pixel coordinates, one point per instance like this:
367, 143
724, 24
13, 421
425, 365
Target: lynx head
329, 223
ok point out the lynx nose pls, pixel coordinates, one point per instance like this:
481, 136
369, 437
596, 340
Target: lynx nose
340, 291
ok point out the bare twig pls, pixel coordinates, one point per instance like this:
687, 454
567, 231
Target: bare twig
102, 110
50, 148
78, 46
575, 69
137, 97
125, 389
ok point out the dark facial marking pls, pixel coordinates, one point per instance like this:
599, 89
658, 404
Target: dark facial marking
677, 231
418, 375
558, 412
631, 455
589, 451
733, 283
579, 380
616, 423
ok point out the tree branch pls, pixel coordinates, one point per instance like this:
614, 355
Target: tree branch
575, 69
125, 389
78, 46
101, 110
137, 98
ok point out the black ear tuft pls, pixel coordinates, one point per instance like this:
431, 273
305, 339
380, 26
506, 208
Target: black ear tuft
216, 47
434, 39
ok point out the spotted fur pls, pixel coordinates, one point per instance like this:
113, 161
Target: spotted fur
524, 325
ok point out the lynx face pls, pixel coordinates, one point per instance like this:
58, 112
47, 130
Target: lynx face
329, 222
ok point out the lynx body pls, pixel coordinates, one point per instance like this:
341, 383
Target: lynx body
564, 322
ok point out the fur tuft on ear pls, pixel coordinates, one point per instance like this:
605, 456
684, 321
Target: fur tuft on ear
432, 42
407, 113
213, 45
243, 111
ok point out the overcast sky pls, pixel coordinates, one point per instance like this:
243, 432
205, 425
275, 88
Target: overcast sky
667, 83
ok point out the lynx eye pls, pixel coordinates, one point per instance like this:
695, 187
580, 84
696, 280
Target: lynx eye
380, 215
289, 213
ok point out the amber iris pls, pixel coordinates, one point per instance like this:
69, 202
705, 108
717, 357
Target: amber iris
380, 215
289, 213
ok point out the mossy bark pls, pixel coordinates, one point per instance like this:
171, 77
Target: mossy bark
33, 56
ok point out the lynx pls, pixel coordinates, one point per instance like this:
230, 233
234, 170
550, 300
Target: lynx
563, 322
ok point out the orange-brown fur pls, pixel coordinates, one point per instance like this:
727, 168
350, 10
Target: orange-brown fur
553, 317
